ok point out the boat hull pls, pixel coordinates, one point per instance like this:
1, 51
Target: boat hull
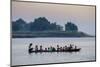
71, 50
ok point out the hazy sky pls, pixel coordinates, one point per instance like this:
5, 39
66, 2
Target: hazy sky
82, 16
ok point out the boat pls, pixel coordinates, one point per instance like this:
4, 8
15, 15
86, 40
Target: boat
53, 49
69, 50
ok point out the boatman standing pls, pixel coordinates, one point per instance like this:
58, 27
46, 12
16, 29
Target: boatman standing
30, 48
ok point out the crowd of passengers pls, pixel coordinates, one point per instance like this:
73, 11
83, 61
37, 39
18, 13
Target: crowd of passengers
51, 48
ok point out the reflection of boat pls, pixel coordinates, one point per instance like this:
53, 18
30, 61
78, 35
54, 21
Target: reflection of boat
69, 50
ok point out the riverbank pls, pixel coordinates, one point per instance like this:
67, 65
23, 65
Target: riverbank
49, 34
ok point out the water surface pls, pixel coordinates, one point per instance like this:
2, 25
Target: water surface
20, 54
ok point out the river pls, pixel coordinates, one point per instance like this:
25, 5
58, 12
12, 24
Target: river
20, 55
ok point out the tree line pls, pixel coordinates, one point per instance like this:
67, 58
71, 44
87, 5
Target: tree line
41, 24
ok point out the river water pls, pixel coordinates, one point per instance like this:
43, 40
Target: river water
20, 55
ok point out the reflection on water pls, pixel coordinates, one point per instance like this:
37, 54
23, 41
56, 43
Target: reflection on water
20, 54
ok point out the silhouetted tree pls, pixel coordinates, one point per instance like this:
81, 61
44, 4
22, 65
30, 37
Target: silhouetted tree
19, 25
59, 28
71, 27
55, 27
40, 24
14, 26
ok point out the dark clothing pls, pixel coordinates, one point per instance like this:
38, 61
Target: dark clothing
30, 49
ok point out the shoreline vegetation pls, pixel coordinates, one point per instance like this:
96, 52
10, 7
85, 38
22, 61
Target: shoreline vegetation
49, 34
42, 27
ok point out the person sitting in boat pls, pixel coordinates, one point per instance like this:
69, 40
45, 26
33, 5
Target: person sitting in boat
41, 48
57, 47
61, 49
53, 49
66, 48
48, 48
71, 46
75, 47
36, 48
45, 49
30, 48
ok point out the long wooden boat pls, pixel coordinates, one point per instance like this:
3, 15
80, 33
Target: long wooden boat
69, 50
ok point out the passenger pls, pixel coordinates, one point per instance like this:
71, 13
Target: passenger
75, 47
57, 47
45, 49
53, 49
66, 47
48, 48
36, 48
61, 49
71, 46
41, 48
